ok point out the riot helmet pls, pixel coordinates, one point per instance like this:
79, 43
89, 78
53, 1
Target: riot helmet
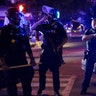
55, 13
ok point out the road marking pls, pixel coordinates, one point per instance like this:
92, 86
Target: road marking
66, 83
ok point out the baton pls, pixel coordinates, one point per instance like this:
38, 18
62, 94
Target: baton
19, 66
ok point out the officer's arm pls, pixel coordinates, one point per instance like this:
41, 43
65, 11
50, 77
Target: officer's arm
89, 33
33, 27
87, 37
64, 38
2, 43
30, 53
32, 60
64, 41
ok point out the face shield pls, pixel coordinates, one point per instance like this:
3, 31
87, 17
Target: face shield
93, 23
55, 13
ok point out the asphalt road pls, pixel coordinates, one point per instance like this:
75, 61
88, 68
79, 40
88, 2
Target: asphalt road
72, 55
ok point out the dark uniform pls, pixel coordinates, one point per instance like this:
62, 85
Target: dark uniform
54, 34
91, 59
14, 44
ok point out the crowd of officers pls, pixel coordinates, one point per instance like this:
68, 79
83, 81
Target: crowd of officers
14, 44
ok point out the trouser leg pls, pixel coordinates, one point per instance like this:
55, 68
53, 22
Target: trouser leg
88, 73
26, 80
42, 76
26, 85
10, 81
56, 80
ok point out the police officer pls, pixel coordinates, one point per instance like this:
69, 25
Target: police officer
14, 44
54, 38
90, 38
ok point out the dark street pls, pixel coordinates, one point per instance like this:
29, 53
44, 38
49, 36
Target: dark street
71, 74
50, 22
72, 55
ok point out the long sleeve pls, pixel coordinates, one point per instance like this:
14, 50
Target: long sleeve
2, 42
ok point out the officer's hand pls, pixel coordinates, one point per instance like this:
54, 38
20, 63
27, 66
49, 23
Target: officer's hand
5, 67
58, 48
34, 65
94, 35
32, 62
3, 64
55, 50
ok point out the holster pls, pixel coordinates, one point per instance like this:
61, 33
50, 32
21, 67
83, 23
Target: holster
86, 54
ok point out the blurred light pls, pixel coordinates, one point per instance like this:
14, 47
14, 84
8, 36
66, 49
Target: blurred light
13, 1
21, 7
58, 14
